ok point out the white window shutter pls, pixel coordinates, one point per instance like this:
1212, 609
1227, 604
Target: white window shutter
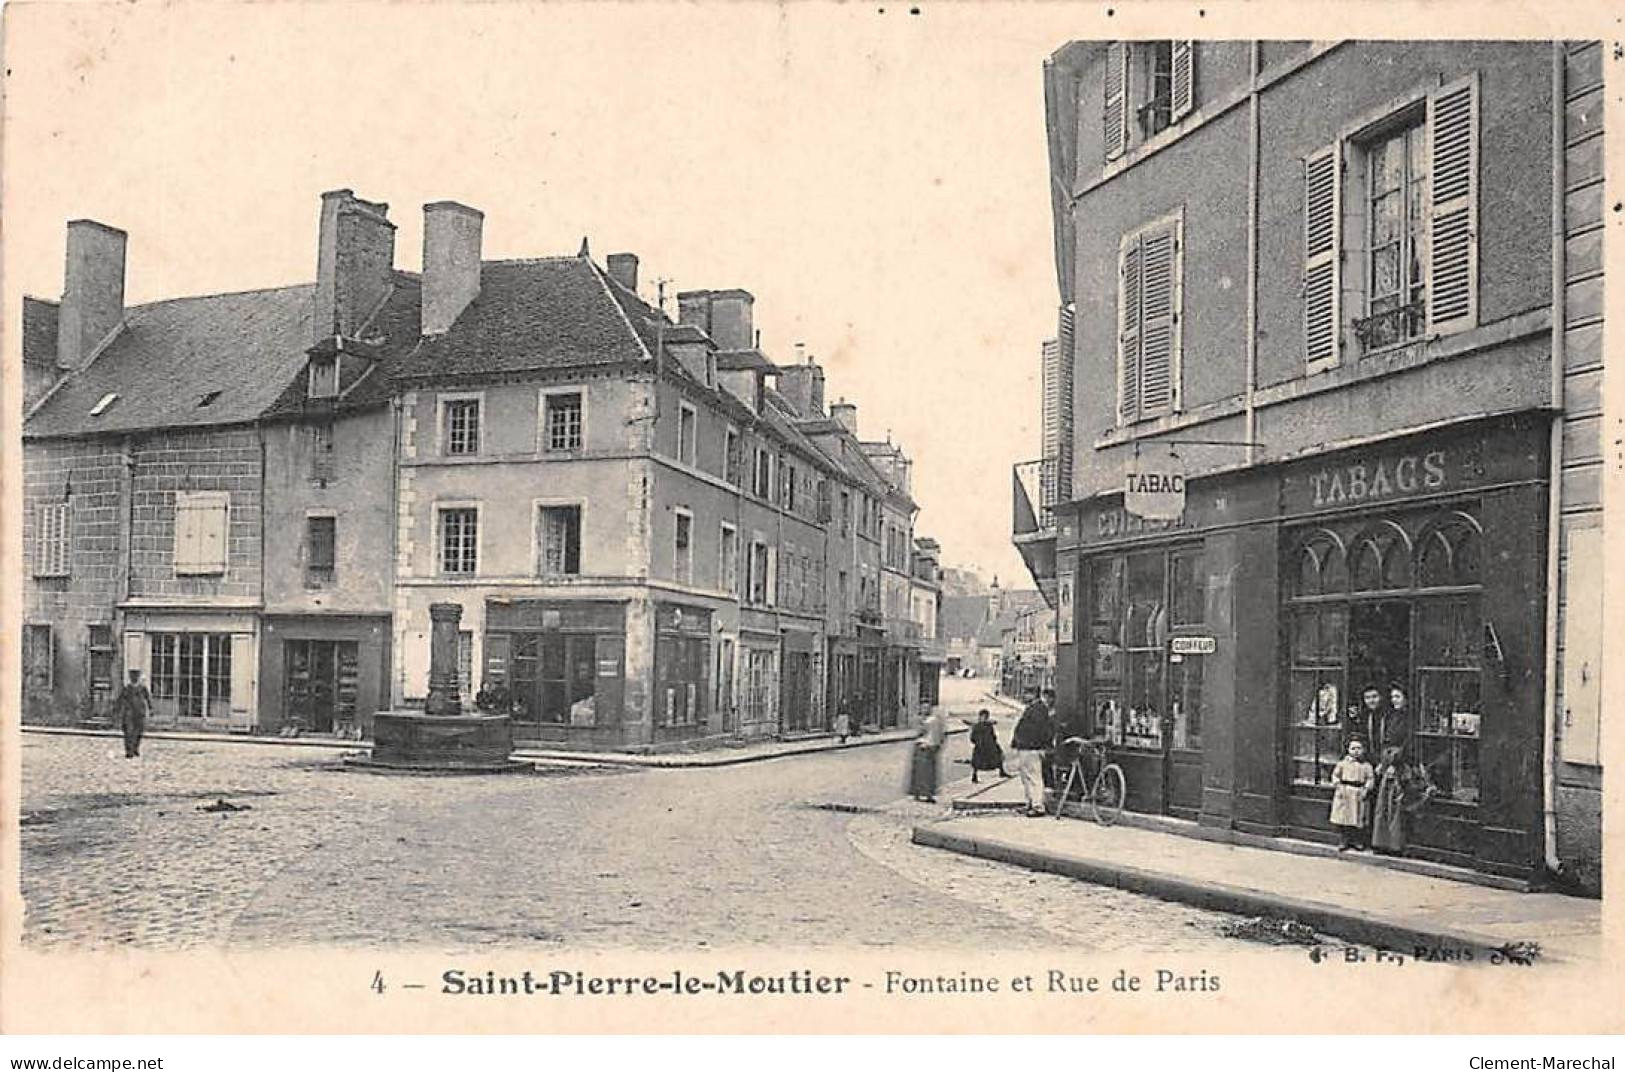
1182, 90
1159, 317
1116, 104
136, 654
1128, 329
212, 536
1452, 239
1322, 257
772, 576
186, 534
243, 668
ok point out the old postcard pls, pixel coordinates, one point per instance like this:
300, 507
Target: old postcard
806, 517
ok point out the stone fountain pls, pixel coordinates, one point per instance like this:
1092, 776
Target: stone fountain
441, 738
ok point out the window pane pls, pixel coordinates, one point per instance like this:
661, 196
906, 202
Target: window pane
1189, 589
1385, 261
1367, 566
1185, 701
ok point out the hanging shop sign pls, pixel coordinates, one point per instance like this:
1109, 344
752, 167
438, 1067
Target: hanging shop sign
1154, 486
1192, 645
1063, 609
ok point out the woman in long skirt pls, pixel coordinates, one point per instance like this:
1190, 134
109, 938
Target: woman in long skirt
986, 755
1403, 787
922, 769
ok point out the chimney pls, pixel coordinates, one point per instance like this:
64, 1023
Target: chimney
451, 262
846, 415
803, 384
92, 291
731, 317
694, 307
623, 268
355, 263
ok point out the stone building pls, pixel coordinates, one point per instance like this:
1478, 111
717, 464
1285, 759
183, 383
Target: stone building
1346, 344
655, 532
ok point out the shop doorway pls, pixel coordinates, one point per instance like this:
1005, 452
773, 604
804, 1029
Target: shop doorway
1379, 658
320, 682
1144, 696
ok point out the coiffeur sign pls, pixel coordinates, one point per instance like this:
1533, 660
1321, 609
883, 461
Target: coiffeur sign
1154, 486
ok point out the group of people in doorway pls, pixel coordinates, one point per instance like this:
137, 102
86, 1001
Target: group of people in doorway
1373, 806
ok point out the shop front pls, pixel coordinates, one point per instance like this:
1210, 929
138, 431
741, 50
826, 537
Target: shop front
561, 667
1391, 592
323, 674
200, 664
802, 682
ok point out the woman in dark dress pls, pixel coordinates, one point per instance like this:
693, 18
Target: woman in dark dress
1403, 787
985, 751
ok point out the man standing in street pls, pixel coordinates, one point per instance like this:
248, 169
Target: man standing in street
1033, 736
132, 705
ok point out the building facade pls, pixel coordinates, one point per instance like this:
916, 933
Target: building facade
654, 532
1360, 459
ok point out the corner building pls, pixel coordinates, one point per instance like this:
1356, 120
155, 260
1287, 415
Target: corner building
1348, 340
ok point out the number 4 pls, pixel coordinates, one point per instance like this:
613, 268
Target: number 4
377, 985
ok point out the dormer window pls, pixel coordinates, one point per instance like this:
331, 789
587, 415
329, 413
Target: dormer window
106, 401
324, 377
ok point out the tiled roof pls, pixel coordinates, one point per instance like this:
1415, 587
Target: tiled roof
170, 355
533, 315
39, 331
391, 333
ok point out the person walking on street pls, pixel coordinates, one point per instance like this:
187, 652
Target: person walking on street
985, 753
843, 724
133, 704
1034, 735
922, 776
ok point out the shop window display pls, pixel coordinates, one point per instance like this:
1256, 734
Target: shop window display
1402, 620
1141, 696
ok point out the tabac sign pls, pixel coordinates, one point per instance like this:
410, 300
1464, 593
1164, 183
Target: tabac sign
1154, 485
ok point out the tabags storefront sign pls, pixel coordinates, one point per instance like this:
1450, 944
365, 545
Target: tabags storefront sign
1438, 464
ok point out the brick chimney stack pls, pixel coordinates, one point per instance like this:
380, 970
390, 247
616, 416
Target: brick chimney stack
623, 268
355, 263
452, 235
803, 384
846, 415
92, 291
732, 326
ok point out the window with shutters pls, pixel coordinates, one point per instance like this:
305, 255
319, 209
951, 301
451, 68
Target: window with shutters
1150, 268
1151, 82
728, 566
53, 536
683, 548
1390, 230
201, 519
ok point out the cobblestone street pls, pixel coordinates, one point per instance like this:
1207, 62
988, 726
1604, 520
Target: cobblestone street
798, 852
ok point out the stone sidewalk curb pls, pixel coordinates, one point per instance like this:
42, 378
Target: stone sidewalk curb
1368, 928
726, 758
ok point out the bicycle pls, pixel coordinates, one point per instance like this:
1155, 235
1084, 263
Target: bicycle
1109, 788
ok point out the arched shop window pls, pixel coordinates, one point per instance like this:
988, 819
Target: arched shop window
1382, 558
1449, 655
1322, 567
1393, 602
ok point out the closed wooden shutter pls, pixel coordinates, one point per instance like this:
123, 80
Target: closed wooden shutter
244, 674
52, 539
212, 535
1452, 269
497, 659
1128, 330
1159, 319
1582, 648
1182, 91
1116, 104
1322, 257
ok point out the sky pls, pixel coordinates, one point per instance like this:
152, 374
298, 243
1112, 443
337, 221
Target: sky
877, 179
